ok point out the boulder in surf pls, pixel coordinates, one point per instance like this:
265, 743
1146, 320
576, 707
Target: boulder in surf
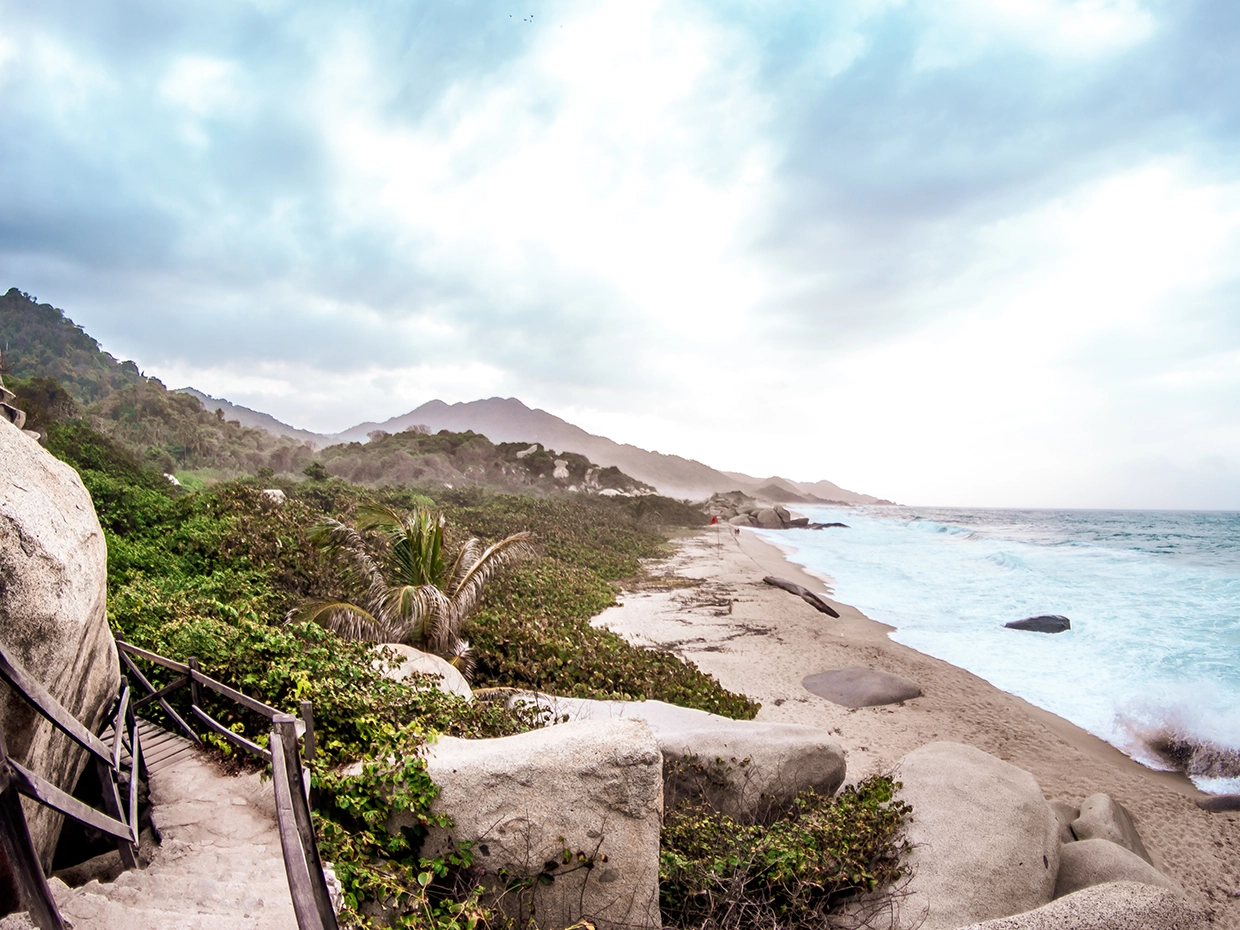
1048, 623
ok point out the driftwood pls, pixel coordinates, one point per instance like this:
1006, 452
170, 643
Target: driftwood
803, 593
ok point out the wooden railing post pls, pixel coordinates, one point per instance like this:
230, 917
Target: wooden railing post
195, 689
305, 868
307, 741
23, 857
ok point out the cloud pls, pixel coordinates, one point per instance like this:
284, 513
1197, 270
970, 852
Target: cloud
910, 225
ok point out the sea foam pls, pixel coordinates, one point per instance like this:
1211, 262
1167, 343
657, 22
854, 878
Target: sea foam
1152, 662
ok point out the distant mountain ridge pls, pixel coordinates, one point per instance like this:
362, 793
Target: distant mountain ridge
509, 420
254, 418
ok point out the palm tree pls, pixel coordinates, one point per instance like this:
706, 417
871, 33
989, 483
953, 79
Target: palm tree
414, 594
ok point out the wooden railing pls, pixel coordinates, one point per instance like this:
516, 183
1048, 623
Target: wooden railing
16, 779
307, 885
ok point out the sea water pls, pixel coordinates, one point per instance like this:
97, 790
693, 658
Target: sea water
1151, 663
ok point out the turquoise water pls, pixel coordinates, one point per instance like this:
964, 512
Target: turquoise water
1152, 662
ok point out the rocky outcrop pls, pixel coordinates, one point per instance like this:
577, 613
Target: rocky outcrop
1096, 862
1113, 906
1104, 818
1048, 623
985, 844
575, 810
741, 510
746, 768
861, 687
416, 662
53, 587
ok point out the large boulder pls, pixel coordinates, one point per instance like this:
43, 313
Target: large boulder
769, 519
1065, 813
415, 662
748, 769
1096, 862
53, 620
574, 809
985, 844
861, 687
1114, 906
1104, 818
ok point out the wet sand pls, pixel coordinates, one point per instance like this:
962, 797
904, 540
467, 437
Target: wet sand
708, 604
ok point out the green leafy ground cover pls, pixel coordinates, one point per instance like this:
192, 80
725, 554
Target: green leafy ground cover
213, 573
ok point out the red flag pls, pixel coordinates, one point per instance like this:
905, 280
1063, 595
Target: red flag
714, 520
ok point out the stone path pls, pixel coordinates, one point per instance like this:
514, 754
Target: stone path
218, 867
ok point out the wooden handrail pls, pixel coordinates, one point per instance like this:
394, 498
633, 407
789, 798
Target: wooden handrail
307, 884
42, 701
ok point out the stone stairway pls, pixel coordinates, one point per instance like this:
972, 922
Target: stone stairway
218, 866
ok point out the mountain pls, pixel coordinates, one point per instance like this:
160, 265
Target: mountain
254, 418
509, 420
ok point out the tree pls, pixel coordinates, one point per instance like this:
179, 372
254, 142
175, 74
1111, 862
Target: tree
414, 593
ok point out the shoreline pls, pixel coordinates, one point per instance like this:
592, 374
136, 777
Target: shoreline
709, 606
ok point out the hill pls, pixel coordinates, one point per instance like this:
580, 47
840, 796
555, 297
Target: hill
47, 356
509, 420
254, 418
459, 459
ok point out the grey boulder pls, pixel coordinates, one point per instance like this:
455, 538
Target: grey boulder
575, 808
1104, 818
1096, 862
1049, 623
1113, 906
761, 766
53, 620
861, 687
1065, 813
443, 674
985, 844
769, 519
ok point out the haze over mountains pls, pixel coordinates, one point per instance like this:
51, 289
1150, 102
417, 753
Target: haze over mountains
509, 420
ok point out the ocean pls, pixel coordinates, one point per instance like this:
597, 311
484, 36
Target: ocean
1152, 661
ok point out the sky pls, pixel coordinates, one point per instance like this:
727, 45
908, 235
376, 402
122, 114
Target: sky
948, 252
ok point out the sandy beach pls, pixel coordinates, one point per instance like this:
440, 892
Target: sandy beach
708, 604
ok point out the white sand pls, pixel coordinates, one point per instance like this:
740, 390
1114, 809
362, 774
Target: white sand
763, 641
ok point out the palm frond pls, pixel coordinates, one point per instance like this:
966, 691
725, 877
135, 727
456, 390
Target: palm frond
466, 594
338, 539
344, 619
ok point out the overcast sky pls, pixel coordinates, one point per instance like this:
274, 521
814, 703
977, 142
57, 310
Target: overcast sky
944, 251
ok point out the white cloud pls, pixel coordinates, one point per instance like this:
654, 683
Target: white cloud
203, 86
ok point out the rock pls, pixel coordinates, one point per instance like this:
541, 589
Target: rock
803, 593
1104, 818
1220, 802
985, 844
1050, 623
560, 473
1113, 906
590, 792
742, 519
782, 512
799, 522
53, 566
275, 495
861, 687
417, 662
768, 762
768, 519
1065, 813
1096, 862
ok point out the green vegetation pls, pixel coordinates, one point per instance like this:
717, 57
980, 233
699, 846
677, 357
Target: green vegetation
213, 573
715, 872
412, 593
470, 459
214, 568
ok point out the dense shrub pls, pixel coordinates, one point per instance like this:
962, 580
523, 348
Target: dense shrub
719, 874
